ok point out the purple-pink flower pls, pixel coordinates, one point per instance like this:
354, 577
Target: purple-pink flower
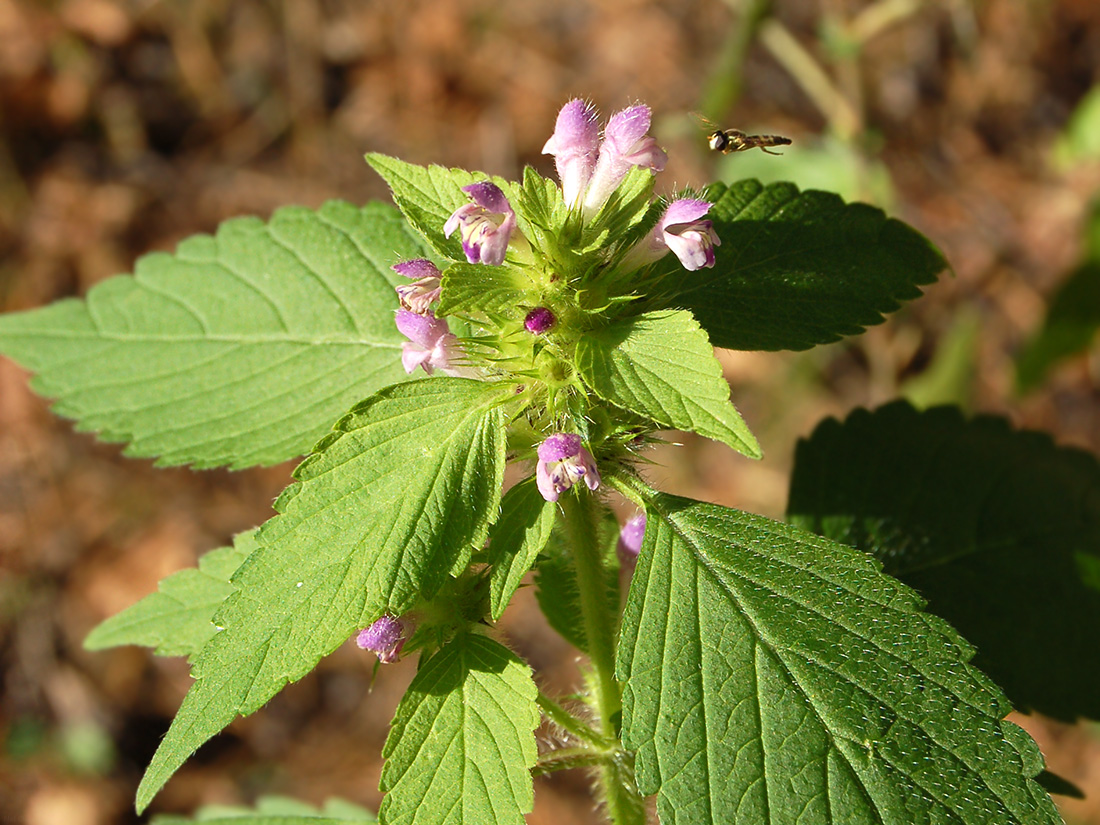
539, 320
630, 539
419, 295
625, 144
431, 343
574, 145
563, 461
385, 638
683, 229
484, 226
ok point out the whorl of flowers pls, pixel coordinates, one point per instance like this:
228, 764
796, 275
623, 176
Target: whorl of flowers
566, 264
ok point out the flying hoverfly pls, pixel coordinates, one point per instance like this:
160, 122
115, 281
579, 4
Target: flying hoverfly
727, 141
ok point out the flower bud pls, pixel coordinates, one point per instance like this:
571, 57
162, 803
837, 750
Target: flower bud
539, 320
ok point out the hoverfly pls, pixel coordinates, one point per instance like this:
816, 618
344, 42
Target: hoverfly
727, 141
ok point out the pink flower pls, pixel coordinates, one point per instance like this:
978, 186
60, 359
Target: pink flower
420, 294
431, 343
574, 145
625, 144
385, 637
682, 229
485, 226
630, 539
563, 461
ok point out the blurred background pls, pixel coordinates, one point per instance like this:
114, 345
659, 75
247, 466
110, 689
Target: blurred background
127, 126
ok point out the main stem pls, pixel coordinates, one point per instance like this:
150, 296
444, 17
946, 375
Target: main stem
624, 805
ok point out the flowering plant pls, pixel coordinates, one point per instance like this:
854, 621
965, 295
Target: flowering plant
759, 672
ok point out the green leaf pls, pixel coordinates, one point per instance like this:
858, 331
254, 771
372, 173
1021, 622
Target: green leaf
429, 195
1069, 328
392, 501
1080, 142
521, 533
558, 594
239, 349
176, 620
774, 676
998, 529
660, 365
498, 290
552, 229
627, 206
797, 269
1056, 784
462, 742
275, 810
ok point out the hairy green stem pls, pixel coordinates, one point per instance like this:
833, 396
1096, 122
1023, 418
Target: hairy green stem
566, 758
623, 804
568, 722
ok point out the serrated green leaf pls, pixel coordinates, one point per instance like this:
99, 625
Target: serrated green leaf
998, 529
520, 534
275, 810
797, 269
429, 195
498, 290
557, 591
625, 208
551, 227
775, 676
239, 349
176, 620
660, 365
462, 742
393, 500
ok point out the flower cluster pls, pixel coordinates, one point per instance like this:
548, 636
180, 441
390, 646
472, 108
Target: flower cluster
590, 170
591, 166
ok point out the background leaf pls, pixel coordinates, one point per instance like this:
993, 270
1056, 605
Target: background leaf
797, 269
275, 810
774, 676
998, 529
520, 534
660, 365
1069, 327
239, 349
176, 620
393, 500
462, 742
